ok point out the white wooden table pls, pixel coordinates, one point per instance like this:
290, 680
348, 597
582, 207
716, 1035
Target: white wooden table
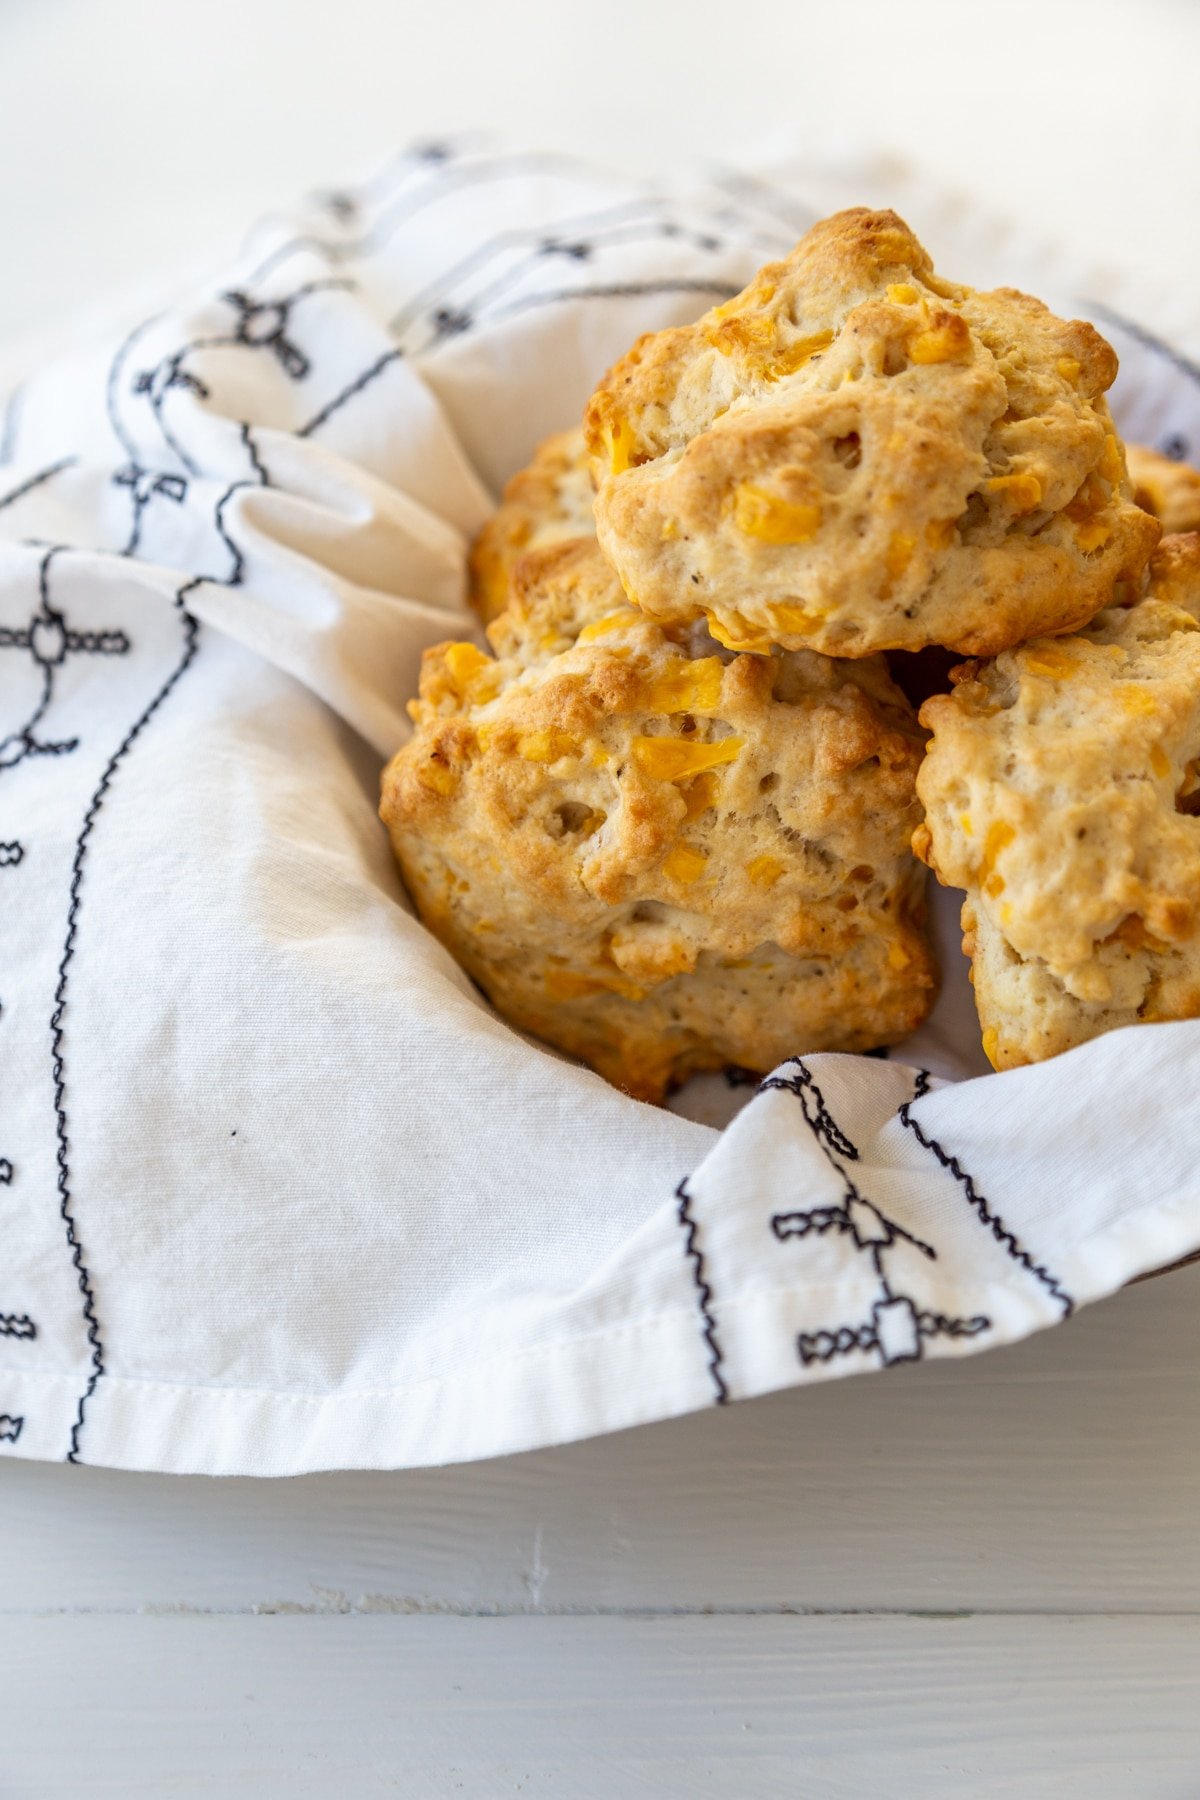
976, 1579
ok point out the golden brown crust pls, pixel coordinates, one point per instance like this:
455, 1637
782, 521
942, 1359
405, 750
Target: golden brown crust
854, 455
656, 855
1061, 791
1168, 489
546, 504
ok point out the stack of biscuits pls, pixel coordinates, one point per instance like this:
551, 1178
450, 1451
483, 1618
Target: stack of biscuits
678, 819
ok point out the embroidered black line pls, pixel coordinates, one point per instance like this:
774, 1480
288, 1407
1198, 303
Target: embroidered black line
350, 390
704, 1295
548, 239
10, 1427
915, 1327
823, 1346
1146, 339
144, 484
57, 1031
48, 639
6, 1172
11, 854
936, 1324
818, 1220
256, 462
17, 1325
36, 481
345, 203
447, 178
897, 1328
474, 308
617, 290
115, 369
829, 1134
1007, 1239
262, 324
191, 630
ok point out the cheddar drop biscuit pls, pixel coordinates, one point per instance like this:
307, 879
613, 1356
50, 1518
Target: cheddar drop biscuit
856, 455
1168, 489
657, 855
1062, 792
548, 503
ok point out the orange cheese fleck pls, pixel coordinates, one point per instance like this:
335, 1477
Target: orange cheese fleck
752, 643
949, 340
1050, 660
618, 441
613, 621
687, 687
565, 984
699, 794
796, 620
900, 549
1110, 464
999, 835
765, 871
546, 746
1137, 701
772, 519
672, 758
684, 864
1023, 491
786, 362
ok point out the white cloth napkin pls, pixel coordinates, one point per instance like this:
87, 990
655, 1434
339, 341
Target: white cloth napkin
277, 1190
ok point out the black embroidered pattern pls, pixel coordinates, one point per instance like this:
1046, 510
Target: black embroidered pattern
143, 485
352, 388
37, 481
572, 239
259, 324
263, 324
438, 176
897, 1327
827, 1132
49, 640
57, 1030
704, 1297
11, 854
987, 1215
6, 1172
10, 1427
17, 1325
619, 290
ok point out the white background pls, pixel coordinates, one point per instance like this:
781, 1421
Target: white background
133, 132
736, 1604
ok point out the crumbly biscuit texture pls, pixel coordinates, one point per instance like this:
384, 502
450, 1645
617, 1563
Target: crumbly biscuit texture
544, 505
655, 854
1168, 489
1062, 792
855, 455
